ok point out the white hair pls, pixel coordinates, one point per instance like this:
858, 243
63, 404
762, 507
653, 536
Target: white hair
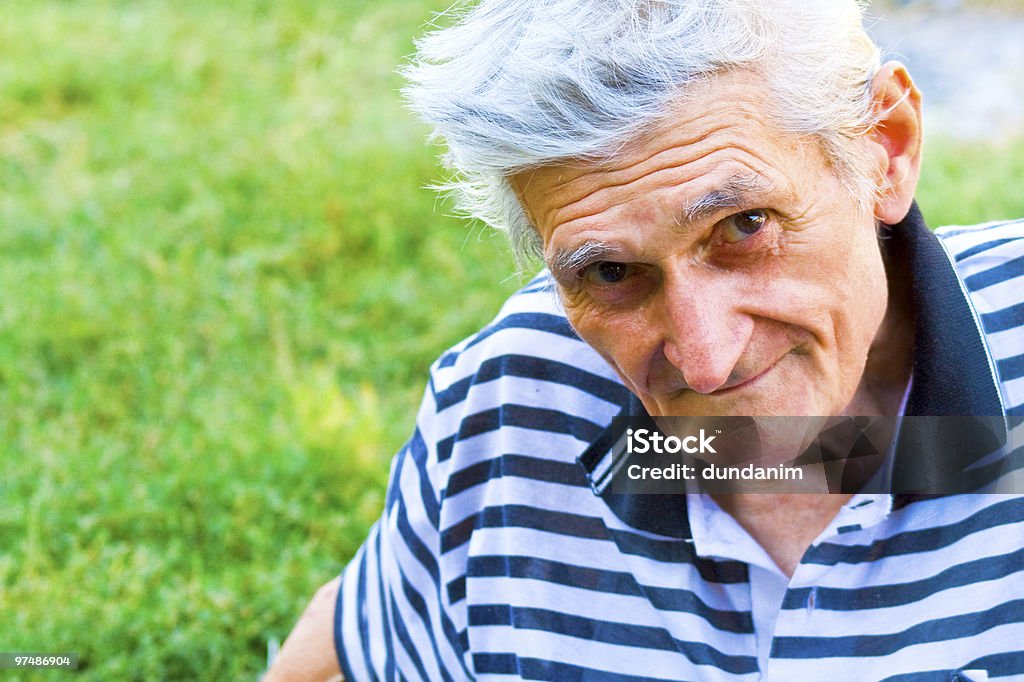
517, 84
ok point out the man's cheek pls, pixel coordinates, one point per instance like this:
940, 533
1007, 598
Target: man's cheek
587, 318
593, 324
598, 327
573, 299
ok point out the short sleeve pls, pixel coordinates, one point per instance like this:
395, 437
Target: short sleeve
392, 619
402, 610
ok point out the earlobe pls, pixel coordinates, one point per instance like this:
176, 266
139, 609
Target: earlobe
896, 141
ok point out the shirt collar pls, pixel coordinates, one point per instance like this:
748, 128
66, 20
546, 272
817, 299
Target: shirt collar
953, 372
953, 377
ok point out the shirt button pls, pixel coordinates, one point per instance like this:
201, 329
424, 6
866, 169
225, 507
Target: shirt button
812, 598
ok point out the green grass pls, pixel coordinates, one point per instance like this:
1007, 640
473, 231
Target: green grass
967, 182
222, 284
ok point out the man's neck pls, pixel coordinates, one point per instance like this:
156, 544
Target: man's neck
890, 359
783, 524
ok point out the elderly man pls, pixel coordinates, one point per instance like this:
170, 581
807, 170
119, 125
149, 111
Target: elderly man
722, 192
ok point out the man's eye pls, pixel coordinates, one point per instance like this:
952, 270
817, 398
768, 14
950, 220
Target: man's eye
605, 272
740, 226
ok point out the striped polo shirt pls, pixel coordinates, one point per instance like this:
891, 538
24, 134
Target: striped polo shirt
497, 557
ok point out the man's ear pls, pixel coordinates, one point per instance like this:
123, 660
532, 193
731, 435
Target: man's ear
895, 141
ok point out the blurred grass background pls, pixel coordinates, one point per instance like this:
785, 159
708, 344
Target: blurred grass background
222, 284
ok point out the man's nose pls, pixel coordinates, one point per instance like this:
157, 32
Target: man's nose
705, 334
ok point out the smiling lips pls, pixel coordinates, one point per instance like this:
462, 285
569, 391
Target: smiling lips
731, 386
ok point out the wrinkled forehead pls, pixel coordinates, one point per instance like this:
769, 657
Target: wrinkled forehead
719, 145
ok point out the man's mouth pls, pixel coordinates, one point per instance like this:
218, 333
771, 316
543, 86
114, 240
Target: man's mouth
738, 385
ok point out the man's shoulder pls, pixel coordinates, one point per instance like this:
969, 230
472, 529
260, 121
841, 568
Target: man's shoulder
989, 261
984, 243
524, 375
530, 338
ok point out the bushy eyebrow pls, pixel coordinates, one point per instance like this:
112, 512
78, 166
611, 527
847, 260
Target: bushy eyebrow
737, 191
565, 263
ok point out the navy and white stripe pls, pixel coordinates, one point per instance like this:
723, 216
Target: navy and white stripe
495, 559
990, 260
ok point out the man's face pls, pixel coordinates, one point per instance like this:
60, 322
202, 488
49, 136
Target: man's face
717, 264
